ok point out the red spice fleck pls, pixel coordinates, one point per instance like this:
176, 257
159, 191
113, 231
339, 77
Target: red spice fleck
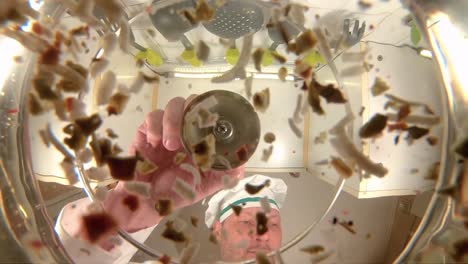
242, 153
12, 111
397, 126
165, 259
68, 104
98, 226
131, 201
50, 55
36, 244
37, 28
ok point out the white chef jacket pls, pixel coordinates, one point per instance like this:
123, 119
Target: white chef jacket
81, 251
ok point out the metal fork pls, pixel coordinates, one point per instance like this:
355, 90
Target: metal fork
349, 38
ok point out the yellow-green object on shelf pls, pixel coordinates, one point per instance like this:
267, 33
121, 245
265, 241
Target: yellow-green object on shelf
415, 34
152, 57
267, 58
189, 56
232, 55
312, 58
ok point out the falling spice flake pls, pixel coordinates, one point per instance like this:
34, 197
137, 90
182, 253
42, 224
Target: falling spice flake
131, 202
257, 58
145, 167
242, 153
415, 132
117, 103
262, 223
203, 11
237, 209
102, 148
212, 238
432, 141
97, 227
34, 105
313, 250
374, 126
295, 174
396, 139
347, 227
189, 16
364, 4
179, 158
321, 138
304, 42
172, 234
269, 137
89, 124
261, 258
397, 126
314, 99
165, 259
462, 148
282, 73
266, 153
254, 189
194, 221
341, 167
163, 207
379, 87
203, 51
261, 100
110, 133
122, 168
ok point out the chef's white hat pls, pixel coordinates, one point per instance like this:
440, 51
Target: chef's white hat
219, 206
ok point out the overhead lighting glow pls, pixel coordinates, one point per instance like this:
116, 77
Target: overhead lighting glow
426, 53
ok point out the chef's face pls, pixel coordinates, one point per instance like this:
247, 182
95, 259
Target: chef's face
238, 239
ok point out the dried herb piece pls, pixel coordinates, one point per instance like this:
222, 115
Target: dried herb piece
42, 83
89, 124
269, 137
203, 152
374, 126
50, 56
77, 139
257, 58
433, 173
432, 140
98, 226
203, 11
78, 68
236, 208
102, 148
329, 92
213, 239
305, 42
397, 126
415, 132
302, 70
203, 51
313, 250
132, 202
261, 100
261, 258
187, 14
262, 222
34, 105
379, 87
266, 153
110, 133
462, 148
341, 167
194, 221
163, 207
254, 189
172, 234
122, 168
403, 112
117, 103
145, 167
314, 99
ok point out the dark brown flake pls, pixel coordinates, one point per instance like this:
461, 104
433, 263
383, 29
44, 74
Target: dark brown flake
374, 126
89, 124
313, 250
254, 189
97, 226
262, 223
131, 202
172, 234
415, 132
163, 207
122, 168
236, 208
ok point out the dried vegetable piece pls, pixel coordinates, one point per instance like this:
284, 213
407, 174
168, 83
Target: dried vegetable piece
314, 99
102, 148
257, 58
172, 234
329, 92
295, 174
110, 133
374, 126
415, 132
203, 152
254, 189
42, 83
462, 148
403, 112
145, 167
89, 124
432, 141
304, 42
97, 227
242, 153
194, 221
122, 169
163, 207
262, 223
131, 202
34, 105
379, 87
269, 137
117, 103
203, 11
261, 100
341, 167
313, 250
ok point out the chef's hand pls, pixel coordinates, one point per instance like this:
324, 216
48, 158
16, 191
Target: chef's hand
158, 140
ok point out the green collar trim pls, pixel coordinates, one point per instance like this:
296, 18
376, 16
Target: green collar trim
245, 200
